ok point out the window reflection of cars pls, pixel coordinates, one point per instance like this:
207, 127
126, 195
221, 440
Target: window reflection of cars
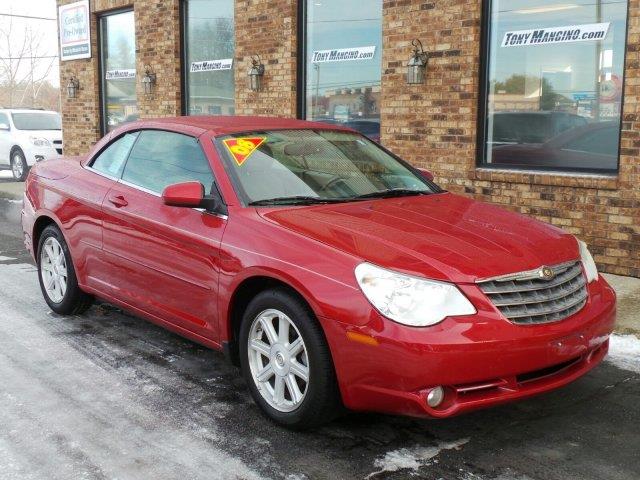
590, 147
531, 127
369, 128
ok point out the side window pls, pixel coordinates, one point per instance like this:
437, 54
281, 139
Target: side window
4, 119
161, 158
112, 159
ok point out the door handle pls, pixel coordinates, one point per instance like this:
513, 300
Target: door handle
118, 200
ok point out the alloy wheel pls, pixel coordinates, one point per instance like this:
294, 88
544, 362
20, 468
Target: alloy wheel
17, 166
278, 360
53, 269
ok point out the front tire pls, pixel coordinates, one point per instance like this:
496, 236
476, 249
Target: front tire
19, 166
57, 276
286, 362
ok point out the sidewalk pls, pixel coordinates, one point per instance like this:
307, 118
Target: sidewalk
628, 290
9, 188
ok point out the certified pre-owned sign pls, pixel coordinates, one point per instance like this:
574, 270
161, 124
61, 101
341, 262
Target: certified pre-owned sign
343, 54
545, 36
75, 40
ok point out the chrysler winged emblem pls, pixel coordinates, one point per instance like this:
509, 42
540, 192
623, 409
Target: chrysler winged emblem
546, 273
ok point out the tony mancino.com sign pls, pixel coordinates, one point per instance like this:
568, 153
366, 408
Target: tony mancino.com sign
546, 36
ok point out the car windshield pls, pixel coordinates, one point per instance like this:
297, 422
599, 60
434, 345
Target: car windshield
314, 166
36, 121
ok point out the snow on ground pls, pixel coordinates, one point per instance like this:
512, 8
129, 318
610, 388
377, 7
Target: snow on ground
412, 458
624, 352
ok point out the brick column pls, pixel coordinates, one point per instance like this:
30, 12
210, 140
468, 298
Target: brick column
267, 28
81, 115
158, 45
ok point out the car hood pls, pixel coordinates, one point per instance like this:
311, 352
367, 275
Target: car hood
440, 236
50, 135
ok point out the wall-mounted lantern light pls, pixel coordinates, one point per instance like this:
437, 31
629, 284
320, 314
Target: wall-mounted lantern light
148, 80
417, 65
256, 72
72, 87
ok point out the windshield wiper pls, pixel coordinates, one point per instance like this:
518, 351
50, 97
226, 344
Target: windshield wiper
296, 200
395, 192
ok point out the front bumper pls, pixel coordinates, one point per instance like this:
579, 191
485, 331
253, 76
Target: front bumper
481, 360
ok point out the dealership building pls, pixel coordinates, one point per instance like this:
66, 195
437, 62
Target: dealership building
533, 105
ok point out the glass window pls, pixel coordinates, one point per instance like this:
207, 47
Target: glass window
320, 165
37, 121
112, 158
344, 63
554, 68
599, 142
209, 52
161, 158
119, 102
4, 120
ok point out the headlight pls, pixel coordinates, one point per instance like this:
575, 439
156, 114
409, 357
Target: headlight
411, 300
589, 265
40, 142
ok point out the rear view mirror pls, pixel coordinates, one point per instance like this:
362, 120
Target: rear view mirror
4, 126
426, 174
186, 194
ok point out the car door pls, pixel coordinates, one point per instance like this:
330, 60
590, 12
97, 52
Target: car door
84, 206
163, 259
5, 139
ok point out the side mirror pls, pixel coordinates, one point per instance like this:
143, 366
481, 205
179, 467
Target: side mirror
4, 126
186, 194
426, 174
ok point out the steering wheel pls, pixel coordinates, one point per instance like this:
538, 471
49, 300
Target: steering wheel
331, 183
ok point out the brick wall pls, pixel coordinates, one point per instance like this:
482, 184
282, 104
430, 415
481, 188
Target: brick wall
157, 45
267, 28
434, 126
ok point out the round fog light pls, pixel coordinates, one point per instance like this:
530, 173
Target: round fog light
435, 397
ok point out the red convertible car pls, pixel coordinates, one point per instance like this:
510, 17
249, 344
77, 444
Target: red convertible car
332, 272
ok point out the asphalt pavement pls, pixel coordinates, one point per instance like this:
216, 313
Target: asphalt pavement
106, 395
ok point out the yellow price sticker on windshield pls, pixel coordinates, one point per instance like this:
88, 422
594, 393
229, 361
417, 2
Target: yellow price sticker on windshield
242, 148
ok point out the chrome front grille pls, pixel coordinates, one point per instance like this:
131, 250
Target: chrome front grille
530, 298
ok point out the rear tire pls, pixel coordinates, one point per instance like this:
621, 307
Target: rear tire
283, 361
57, 276
19, 166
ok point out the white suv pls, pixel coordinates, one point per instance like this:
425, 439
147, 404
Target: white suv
28, 136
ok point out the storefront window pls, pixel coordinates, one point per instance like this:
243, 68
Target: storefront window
343, 63
209, 51
118, 50
554, 84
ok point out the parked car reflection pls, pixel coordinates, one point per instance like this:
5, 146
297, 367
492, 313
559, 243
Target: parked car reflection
590, 147
370, 128
531, 127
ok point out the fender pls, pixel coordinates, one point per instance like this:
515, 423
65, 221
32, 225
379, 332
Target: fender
230, 290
